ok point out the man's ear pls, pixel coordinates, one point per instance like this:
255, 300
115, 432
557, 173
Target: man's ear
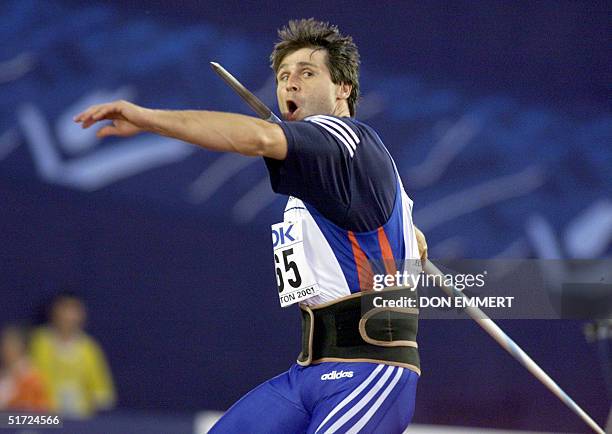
344, 91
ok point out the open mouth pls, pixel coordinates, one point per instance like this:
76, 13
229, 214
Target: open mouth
291, 107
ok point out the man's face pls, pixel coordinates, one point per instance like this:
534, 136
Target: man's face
68, 315
305, 88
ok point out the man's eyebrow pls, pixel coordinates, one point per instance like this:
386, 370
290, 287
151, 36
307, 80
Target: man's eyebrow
299, 64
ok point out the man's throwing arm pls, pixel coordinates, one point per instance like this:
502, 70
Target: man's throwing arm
216, 131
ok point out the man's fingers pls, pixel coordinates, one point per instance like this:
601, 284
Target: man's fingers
87, 122
87, 113
98, 112
105, 111
86, 117
83, 115
121, 126
108, 130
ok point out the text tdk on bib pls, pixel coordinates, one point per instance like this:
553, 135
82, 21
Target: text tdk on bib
293, 275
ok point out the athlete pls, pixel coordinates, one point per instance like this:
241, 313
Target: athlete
347, 214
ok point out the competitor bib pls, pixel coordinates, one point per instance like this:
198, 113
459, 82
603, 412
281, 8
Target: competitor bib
293, 275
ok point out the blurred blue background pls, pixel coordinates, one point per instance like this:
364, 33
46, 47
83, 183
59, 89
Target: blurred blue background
497, 114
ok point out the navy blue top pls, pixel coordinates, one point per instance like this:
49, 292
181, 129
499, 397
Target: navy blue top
339, 166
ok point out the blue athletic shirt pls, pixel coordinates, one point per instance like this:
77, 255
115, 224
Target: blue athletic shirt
344, 186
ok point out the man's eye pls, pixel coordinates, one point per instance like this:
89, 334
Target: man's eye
308, 74
283, 77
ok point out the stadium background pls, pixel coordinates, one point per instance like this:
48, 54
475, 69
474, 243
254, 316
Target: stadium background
497, 114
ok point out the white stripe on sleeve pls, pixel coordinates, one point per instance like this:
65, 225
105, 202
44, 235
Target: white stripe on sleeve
319, 120
338, 136
342, 124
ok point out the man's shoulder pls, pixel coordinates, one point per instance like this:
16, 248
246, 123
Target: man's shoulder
353, 123
348, 130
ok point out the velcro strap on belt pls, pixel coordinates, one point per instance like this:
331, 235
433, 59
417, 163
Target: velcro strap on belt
343, 331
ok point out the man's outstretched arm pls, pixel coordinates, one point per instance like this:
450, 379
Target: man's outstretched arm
216, 131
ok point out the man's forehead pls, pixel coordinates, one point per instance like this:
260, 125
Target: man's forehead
305, 57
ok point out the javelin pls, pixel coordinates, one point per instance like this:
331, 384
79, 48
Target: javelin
255, 103
515, 351
475, 313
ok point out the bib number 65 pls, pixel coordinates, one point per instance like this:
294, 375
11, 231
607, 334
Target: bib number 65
289, 265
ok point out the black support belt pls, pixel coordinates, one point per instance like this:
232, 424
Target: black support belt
353, 330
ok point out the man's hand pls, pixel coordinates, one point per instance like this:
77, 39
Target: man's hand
422, 243
128, 119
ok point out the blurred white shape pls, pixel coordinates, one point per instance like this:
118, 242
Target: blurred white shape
253, 202
205, 420
543, 238
479, 196
72, 138
590, 233
111, 164
556, 271
216, 175
544, 241
442, 153
100, 168
16, 67
37, 134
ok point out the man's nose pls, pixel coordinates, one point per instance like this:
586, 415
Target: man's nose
292, 85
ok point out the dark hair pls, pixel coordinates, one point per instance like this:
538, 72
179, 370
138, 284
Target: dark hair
66, 295
342, 54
